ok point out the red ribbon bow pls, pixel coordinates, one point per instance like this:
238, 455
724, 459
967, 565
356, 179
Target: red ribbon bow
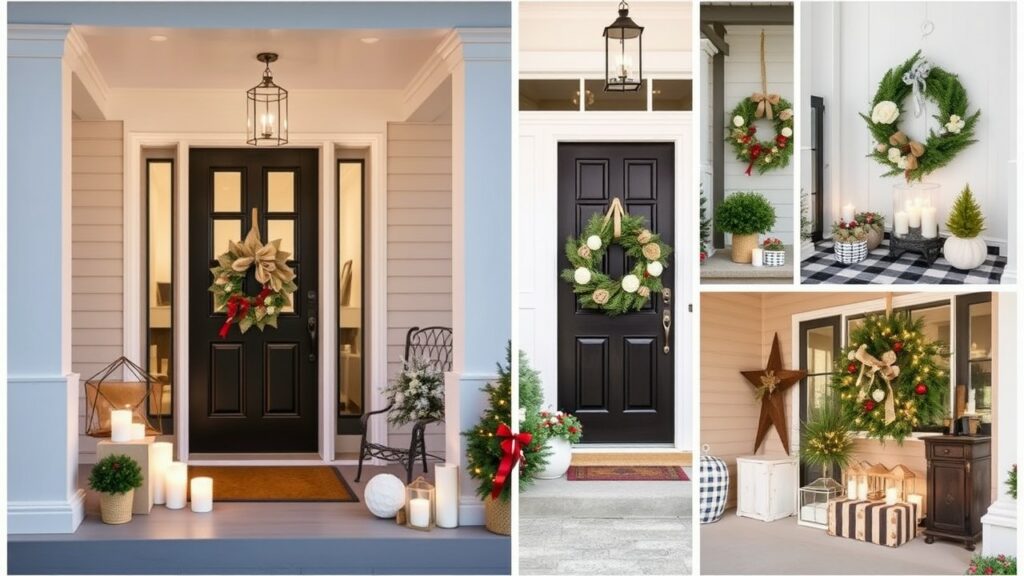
238, 307
512, 447
755, 152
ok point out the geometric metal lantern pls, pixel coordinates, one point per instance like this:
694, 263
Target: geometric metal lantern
420, 497
267, 109
623, 53
121, 385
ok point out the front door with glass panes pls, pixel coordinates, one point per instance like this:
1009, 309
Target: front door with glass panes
254, 392
819, 340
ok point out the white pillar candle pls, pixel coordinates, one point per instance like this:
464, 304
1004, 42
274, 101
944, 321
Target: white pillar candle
176, 484
918, 501
929, 225
862, 489
120, 425
419, 512
901, 223
138, 431
914, 216
892, 496
851, 489
446, 477
757, 257
159, 459
202, 494
849, 213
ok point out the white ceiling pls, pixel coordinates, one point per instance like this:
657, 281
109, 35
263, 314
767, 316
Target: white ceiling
226, 59
565, 25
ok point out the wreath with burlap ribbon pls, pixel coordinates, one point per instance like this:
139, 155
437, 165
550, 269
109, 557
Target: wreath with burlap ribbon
764, 155
270, 266
649, 256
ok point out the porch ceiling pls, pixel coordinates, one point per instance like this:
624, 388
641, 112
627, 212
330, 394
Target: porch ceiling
226, 58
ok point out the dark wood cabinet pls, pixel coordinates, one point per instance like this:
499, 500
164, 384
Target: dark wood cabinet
959, 487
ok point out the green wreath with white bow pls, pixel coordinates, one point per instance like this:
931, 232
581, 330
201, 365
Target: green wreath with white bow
614, 296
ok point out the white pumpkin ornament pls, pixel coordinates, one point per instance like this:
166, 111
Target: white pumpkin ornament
594, 242
965, 253
581, 275
878, 395
630, 283
655, 268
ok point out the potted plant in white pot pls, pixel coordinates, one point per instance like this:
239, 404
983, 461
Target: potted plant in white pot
851, 242
116, 477
874, 224
745, 215
774, 252
965, 249
562, 430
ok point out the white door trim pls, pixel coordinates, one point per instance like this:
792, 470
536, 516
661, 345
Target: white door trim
133, 327
540, 133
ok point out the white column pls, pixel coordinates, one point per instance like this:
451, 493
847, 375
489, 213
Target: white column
42, 427
481, 69
999, 525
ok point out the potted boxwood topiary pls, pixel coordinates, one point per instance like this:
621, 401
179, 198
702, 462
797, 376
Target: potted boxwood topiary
745, 215
562, 430
116, 477
965, 249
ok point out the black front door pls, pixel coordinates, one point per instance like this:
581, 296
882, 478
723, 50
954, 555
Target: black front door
615, 373
820, 341
253, 392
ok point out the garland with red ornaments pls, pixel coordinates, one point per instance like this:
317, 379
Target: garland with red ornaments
889, 380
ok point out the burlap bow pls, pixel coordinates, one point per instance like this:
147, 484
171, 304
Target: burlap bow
614, 215
765, 101
911, 148
886, 368
269, 261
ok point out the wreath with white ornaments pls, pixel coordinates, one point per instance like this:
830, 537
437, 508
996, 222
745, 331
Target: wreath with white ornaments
270, 265
644, 248
918, 79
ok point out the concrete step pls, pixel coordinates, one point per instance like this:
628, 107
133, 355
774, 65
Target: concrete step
551, 498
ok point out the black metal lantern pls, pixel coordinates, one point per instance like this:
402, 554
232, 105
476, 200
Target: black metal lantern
623, 53
267, 109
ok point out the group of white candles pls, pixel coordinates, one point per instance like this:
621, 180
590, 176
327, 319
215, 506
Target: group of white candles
858, 490
917, 213
169, 478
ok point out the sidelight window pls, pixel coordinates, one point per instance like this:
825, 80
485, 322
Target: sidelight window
159, 183
351, 301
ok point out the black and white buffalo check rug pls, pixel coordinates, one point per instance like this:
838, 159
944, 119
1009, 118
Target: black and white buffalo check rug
879, 268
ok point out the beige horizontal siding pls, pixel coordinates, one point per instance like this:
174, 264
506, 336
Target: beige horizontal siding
97, 247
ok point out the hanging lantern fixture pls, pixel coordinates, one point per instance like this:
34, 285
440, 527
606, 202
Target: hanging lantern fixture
623, 53
267, 109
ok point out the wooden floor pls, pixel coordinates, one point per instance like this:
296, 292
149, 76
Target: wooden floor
261, 538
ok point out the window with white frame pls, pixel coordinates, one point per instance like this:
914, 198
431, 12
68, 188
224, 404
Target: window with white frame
588, 95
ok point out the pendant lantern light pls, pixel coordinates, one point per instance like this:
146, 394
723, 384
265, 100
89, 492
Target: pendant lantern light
623, 53
267, 109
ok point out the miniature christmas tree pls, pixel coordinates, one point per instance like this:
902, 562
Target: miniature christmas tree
483, 445
965, 219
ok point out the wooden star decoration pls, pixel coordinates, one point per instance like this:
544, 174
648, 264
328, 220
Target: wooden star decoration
769, 385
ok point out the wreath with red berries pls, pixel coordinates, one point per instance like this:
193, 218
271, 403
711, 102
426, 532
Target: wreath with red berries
765, 155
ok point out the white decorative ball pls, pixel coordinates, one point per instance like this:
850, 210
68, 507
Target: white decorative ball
737, 121
655, 268
581, 276
594, 242
630, 283
787, 131
384, 495
878, 395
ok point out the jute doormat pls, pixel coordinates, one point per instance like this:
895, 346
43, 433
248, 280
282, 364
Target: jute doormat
626, 473
632, 458
276, 483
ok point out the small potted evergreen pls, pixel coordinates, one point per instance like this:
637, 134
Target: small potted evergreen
965, 249
745, 215
562, 430
874, 224
774, 252
850, 242
116, 477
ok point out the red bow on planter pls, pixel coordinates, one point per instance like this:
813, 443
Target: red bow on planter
238, 307
512, 449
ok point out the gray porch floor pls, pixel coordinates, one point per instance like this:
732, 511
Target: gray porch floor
261, 538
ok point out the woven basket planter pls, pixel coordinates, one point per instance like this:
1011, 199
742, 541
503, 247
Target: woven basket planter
116, 508
498, 516
851, 252
774, 257
743, 247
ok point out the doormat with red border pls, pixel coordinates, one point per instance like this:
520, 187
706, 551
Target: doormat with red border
627, 473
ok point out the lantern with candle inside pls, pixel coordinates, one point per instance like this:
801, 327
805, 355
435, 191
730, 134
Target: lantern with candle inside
118, 396
915, 219
854, 475
419, 504
902, 479
814, 499
877, 475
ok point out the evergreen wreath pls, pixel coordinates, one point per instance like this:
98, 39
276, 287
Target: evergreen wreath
894, 149
270, 264
887, 380
598, 291
769, 154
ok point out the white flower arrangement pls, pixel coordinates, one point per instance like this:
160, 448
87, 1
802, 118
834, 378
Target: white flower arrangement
737, 121
417, 392
895, 155
885, 112
955, 124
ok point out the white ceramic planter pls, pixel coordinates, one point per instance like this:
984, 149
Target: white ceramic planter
851, 252
965, 253
559, 458
774, 258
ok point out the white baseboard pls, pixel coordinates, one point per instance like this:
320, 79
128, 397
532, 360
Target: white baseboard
999, 528
54, 517
471, 512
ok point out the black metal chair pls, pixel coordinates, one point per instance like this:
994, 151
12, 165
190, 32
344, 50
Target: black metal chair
435, 344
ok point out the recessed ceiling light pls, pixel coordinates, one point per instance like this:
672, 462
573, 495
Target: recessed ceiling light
369, 40
158, 38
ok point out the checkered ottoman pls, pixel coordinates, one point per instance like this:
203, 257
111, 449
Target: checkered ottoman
714, 488
873, 521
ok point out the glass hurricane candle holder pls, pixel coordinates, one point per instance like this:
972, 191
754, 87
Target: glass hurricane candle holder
915, 210
419, 504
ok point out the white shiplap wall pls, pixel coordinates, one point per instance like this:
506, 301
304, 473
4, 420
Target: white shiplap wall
419, 242
743, 78
97, 288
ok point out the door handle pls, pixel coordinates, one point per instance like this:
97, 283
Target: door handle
666, 323
311, 328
